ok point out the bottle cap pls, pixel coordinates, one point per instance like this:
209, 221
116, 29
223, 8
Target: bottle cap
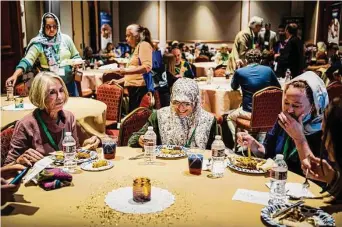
279, 156
68, 133
218, 137
150, 128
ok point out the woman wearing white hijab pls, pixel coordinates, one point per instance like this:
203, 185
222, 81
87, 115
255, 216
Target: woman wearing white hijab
183, 123
50, 47
304, 101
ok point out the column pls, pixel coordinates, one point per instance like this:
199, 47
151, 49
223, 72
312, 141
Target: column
162, 25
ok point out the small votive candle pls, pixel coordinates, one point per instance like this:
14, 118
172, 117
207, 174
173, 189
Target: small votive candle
18, 102
141, 190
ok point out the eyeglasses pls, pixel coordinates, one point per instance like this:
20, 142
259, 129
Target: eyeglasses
184, 104
51, 26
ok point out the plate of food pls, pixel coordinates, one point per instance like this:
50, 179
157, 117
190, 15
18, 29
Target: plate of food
301, 216
246, 164
97, 165
82, 155
171, 151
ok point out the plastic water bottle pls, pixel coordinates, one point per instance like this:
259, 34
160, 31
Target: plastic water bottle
217, 149
69, 149
150, 141
10, 89
210, 75
287, 75
278, 181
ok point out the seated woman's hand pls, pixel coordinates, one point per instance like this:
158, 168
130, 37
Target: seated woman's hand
91, 143
7, 191
244, 139
316, 173
292, 127
141, 141
11, 171
29, 157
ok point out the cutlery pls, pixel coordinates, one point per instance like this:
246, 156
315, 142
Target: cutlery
287, 209
292, 197
137, 157
306, 184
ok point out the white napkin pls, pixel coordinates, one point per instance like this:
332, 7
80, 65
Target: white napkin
122, 200
250, 196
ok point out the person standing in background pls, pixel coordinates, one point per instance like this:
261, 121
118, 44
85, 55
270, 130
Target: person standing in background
50, 47
267, 38
292, 56
244, 41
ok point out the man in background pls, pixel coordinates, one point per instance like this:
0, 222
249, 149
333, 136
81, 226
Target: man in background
267, 38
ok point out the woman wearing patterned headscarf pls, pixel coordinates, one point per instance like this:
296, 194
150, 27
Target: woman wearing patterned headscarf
304, 101
50, 47
183, 123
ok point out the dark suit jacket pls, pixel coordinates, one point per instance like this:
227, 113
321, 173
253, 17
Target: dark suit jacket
292, 57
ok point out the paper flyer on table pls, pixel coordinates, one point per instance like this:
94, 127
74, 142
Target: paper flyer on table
250, 196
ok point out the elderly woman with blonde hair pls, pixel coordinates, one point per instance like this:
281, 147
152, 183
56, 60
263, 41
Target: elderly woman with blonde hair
42, 131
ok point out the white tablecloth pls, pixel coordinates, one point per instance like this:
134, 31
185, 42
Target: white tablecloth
218, 97
202, 67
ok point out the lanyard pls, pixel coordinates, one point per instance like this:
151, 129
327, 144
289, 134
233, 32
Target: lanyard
46, 131
286, 149
188, 143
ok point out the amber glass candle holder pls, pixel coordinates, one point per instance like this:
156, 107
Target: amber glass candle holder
142, 190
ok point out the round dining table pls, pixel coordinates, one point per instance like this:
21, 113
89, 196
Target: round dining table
219, 97
89, 113
202, 67
199, 200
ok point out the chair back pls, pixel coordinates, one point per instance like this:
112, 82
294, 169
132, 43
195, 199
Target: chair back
6, 137
266, 106
147, 101
334, 90
157, 103
78, 79
110, 76
133, 122
202, 58
111, 95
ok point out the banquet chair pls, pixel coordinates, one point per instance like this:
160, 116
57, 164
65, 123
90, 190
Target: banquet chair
133, 122
6, 137
334, 90
111, 95
78, 80
202, 58
110, 76
266, 106
147, 101
157, 103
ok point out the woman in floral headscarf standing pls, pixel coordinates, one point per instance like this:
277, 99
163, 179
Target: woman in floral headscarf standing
50, 47
183, 123
304, 101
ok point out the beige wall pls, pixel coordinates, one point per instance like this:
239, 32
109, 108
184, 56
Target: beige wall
33, 19
66, 17
206, 21
77, 25
143, 13
271, 11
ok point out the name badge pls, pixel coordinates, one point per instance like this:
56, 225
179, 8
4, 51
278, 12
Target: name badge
266, 43
61, 72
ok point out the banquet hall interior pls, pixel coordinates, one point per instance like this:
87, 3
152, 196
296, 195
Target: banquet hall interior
171, 113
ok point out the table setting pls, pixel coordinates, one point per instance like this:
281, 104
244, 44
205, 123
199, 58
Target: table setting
162, 195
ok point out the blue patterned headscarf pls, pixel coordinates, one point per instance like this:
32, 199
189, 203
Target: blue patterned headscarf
50, 45
313, 123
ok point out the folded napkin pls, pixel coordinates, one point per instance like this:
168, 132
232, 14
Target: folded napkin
50, 179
